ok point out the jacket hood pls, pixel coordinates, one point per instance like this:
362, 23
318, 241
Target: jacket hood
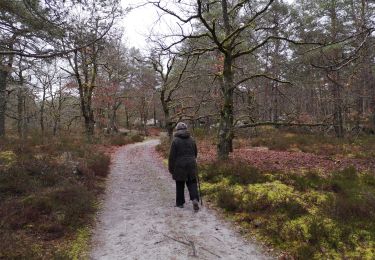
182, 134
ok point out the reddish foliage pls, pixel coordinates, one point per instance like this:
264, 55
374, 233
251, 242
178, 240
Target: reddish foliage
154, 131
265, 159
106, 149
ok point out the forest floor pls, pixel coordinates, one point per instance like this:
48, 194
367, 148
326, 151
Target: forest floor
265, 159
138, 219
285, 151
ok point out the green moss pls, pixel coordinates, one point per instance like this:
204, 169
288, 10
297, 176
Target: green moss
7, 158
274, 196
308, 214
79, 246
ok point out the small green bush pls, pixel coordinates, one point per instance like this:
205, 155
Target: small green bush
272, 196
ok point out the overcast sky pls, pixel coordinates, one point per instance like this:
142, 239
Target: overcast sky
139, 21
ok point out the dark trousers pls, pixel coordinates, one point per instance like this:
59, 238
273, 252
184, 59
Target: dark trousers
180, 194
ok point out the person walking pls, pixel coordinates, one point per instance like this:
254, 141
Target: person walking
183, 166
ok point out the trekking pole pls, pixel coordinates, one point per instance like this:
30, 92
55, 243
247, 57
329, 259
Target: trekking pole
199, 188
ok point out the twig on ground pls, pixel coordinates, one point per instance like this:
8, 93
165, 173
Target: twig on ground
191, 243
175, 239
217, 239
205, 249
194, 250
192, 246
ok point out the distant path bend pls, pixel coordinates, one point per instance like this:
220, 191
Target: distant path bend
139, 221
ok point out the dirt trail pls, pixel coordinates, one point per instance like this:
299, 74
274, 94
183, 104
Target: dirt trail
139, 221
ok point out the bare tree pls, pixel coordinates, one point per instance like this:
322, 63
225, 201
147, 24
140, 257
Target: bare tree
172, 71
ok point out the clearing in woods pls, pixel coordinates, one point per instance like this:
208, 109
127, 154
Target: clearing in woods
139, 221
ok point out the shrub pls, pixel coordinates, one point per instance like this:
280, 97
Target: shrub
308, 214
163, 147
98, 163
229, 197
123, 139
226, 200
313, 235
236, 172
136, 138
303, 181
119, 140
353, 195
74, 203
272, 196
7, 159
43, 201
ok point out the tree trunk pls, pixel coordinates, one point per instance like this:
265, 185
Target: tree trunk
168, 124
127, 118
154, 114
86, 85
57, 118
89, 125
225, 135
42, 110
3, 100
372, 103
338, 123
20, 112
112, 127
169, 127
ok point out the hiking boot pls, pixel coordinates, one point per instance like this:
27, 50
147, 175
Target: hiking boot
180, 206
195, 205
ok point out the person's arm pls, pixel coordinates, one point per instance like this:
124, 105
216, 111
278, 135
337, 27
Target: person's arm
172, 158
195, 149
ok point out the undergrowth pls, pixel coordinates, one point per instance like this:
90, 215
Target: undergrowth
121, 139
48, 194
306, 214
362, 146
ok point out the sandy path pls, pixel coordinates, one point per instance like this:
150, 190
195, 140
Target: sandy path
139, 220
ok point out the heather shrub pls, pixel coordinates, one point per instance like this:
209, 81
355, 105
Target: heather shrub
98, 163
136, 138
48, 191
305, 213
122, 139
236, 172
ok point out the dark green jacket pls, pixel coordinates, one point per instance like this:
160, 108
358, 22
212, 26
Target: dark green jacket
182, 157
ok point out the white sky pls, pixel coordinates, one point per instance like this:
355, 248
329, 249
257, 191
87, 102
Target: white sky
140, 21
